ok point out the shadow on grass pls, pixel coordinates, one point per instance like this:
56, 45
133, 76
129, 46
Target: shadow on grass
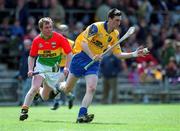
94, 123
107, 123
55, 121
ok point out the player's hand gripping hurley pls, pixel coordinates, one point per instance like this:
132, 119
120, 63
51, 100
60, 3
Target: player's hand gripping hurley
130, 31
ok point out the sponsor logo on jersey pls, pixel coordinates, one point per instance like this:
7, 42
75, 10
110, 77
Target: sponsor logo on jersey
53, 44
98, 44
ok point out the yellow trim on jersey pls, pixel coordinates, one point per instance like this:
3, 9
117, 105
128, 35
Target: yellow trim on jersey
63, 57
97, 42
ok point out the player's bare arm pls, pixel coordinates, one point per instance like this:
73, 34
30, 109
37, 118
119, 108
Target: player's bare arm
68, 61
31, 61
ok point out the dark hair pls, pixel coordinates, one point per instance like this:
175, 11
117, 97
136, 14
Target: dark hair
114, 12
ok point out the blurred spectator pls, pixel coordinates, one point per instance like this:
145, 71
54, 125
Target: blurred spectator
175, 32
31, 24
167, 51
133, 75
110, 67
173, 5
172, 70
177, 53
44, 4
101, 12
2, 5
87, 18
32, 4
5, 32
3, 10
17, 34
22, 13
23, 69
80, 4
17, 30
148, 74
57, 11
158, 73
145, 10
79, 27
143, 30
70, 17
147, 58
31, 29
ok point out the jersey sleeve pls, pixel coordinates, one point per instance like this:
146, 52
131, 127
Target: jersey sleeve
90, 32
65, 45
116, 49
34, 49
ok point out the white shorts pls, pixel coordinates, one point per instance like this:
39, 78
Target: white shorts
51, 78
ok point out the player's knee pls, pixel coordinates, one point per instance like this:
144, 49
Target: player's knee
91, 89
44, 98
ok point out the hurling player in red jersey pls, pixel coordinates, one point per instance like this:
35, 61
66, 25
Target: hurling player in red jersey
45, 55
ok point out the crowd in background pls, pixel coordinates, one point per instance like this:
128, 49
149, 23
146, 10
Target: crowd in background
157, 25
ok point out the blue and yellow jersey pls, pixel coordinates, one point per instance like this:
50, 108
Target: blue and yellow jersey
98, 39
63, 57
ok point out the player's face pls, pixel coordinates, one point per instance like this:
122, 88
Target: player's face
115, 22
47, 29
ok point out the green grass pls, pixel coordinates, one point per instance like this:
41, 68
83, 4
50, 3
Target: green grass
107, 118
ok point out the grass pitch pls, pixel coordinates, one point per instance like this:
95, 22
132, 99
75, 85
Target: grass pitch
107, 118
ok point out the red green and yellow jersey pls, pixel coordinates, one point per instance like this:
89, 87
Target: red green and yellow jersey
49, 51
98, 39
63, 58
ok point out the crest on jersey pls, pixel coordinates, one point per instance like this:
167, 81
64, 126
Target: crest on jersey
53, 44
40, 45
92, 30
109, 38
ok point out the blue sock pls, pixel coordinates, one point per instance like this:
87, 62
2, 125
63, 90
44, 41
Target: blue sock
82, 111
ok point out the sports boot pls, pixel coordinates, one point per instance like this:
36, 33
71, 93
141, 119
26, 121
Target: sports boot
23, 115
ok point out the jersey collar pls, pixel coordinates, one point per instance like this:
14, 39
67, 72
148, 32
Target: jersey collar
106, 26
45, 38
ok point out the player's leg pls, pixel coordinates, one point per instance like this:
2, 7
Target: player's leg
59, 96
67, 87
91, 83
36, 83
45, 91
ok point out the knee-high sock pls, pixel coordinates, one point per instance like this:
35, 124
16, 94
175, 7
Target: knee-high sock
85, 103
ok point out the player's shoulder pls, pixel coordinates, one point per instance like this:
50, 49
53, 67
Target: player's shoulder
97, 25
